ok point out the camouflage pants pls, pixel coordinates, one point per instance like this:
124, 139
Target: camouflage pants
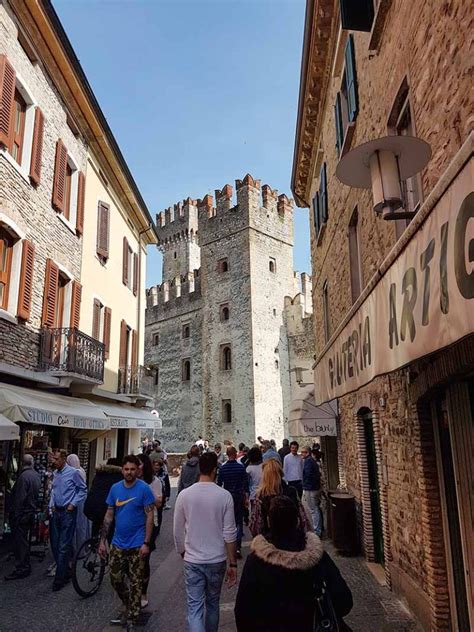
127, 564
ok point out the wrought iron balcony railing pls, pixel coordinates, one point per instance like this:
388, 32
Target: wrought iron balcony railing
68, 350
137, 380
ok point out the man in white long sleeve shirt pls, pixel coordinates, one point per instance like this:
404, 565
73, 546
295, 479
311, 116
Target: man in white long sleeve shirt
293, 468
205, 536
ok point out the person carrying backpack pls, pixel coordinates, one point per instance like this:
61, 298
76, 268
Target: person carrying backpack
289, 582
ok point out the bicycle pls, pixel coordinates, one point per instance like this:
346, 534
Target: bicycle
89, 568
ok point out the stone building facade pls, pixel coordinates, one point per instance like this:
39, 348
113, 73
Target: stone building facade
397, 68
227, 268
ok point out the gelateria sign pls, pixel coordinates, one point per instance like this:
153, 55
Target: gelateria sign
423, 302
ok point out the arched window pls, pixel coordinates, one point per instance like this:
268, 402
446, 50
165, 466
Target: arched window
226, 411
223, 265
225, 312
186, 331
272, 265
226, 358
186, 370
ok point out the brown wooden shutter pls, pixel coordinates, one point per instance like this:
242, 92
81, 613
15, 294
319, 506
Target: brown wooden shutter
125, 271
107, 329
76, 295
59, 182
50, 297
7, 96
81, 191
134, 361
96, 307
26, 280
37, 148
123, 345
103, 215
135, 274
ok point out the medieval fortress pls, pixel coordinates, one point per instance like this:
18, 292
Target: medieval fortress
221, 329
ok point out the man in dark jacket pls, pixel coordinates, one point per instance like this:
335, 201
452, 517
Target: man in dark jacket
190, 470
284, 450
95, 506
24, 500
232, 476
312, 488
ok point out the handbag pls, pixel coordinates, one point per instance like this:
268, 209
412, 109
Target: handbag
324, 618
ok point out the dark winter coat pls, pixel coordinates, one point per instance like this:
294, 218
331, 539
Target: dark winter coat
25, 492
95, 505
276, 592
311, 474
189, 473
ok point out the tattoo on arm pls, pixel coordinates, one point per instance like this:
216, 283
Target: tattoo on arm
149, 508
108, 519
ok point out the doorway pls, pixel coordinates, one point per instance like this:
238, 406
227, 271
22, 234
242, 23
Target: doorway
374, 488
122, 443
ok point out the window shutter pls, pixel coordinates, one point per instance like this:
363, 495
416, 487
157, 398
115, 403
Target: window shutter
125, 271
316, 214
107, 329
357, 15
50, 297
26, 280
81, 190
134, 361
323, 194
76, 304
123, 345
351, 80
59, 182
338, 123
102, 242
37, 148
135, 274
96, 319
7, 96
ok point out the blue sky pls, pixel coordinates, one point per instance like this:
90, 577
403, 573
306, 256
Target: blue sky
197, 93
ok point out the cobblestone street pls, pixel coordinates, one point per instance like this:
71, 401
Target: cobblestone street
29, 601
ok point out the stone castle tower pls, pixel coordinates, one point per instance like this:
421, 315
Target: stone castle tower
215, 327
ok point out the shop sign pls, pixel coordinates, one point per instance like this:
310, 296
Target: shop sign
38, 416
308, 428
423, 303
123, 422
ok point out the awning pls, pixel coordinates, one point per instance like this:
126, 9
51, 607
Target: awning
8, 430
308, 420
39, 407
123, 416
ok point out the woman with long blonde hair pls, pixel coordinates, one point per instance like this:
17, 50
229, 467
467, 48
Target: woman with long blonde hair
271, 485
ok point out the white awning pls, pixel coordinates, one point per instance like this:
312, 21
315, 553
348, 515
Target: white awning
308, 420
40, 407
8, 430
123, 416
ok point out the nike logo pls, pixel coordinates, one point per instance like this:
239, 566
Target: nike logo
119, 503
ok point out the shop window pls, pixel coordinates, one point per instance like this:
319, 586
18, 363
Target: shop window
156, 340
326, 312
186, 331
346, 107
227, 411
224, 312
223, 265
186, 370
226, 358
354, 256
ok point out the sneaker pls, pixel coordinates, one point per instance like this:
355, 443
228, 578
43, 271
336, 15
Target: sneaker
239, 554
120, 619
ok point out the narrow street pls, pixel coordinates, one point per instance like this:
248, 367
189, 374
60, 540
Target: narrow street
375, 607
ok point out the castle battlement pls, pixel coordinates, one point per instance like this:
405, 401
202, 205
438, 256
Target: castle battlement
177, 223
182, 288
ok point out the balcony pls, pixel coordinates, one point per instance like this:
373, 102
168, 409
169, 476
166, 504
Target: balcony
68, 351
137, 380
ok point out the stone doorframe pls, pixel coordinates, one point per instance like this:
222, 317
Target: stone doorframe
362, 407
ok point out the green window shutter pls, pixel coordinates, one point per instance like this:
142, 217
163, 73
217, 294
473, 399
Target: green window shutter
316, 214
351, 80
338, 123
323, 194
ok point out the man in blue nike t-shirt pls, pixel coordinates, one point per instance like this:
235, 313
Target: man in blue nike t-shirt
131, 502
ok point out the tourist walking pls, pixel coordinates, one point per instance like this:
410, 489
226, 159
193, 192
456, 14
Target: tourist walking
131, 503
159, 471
312, 488
293, 468
219, 454
82, 531
269, 452
284, 574
95, 506
205, 537
68, 492
254, 472
23, 502
232, 476
285, 449
272, 485
190, 470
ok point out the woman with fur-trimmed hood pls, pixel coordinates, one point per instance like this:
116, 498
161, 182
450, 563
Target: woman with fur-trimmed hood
277, 589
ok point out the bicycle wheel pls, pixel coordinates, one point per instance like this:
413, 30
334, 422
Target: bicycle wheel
88, 569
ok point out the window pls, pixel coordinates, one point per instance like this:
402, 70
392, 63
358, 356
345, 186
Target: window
97, 319
17, 137
156, 380
61, 298
68, 188
175, 255
320, 203
272, 265
6, 252
274, 312
16, 272
326, 312
186, 331
346, 107
156, 340
226, 411
277, 364
357, 15
224, 312
354, 256
130, 265
186, 370
68, 192
226, 358
223, 265
103, 224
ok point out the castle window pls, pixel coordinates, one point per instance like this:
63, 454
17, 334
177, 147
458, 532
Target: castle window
226, 358
274, 312
224, 312
156, 376
226, 411
175, 255
272, 266
156, 340
277, 364
186, 331
186, 370
223, 265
